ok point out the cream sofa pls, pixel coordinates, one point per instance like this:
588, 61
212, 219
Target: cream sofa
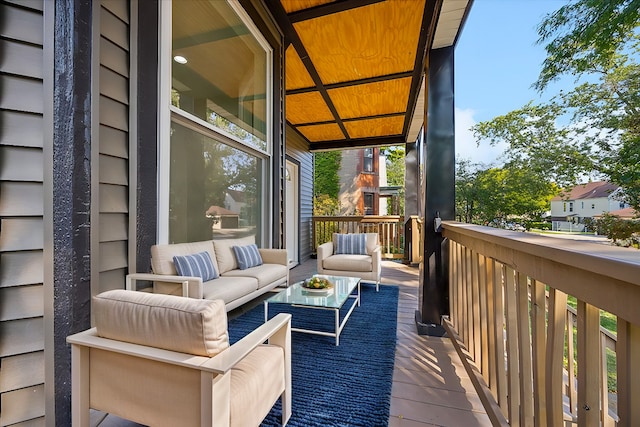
366, 266
234, 286
164, 360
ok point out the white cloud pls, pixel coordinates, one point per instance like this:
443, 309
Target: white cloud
466, 146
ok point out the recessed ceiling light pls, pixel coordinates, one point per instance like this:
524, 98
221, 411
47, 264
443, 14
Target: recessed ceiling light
180, 59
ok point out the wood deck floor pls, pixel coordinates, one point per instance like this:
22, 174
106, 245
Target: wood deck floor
430, 385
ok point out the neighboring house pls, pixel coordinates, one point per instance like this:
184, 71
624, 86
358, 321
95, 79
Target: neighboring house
568, 210
234, 200
359, 182
626, 213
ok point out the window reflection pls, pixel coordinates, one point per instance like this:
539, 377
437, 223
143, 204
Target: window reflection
215, 189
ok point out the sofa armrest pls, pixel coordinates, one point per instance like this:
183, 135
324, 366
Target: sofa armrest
278, 328
191, 286
274, 256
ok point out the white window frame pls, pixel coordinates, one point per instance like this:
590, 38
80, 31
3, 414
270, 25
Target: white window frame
167, 113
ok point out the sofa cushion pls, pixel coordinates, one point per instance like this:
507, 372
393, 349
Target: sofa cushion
224, 254
200, 265
169, 322
258, 375
162, 255
229, 289
265, 274
350, 244
247, 256
348, 263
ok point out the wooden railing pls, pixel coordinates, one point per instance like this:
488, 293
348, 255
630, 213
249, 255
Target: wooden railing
509, 317
390, 229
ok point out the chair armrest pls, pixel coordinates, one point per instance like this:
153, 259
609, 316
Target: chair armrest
324, 251
274, 256
191, 286
226, 360
376, 259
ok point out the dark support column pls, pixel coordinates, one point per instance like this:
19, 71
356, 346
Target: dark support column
147, 168
71, 189
411, 194
439, 190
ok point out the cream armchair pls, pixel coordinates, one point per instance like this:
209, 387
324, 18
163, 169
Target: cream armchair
163, 360
364, 261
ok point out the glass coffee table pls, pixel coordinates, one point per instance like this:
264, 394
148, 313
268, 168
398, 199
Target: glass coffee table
332, 299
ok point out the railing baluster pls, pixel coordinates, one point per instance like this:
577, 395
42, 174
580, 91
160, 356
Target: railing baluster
501, 370
588, 323
571, 369
475, 300
491, 326
461, 300
469, 297
513, 369
524, 347
484, 340
555, 351
628, 354
538, 342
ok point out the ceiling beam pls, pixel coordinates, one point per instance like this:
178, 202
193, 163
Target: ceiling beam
374, 79
427, 31
290, 33
328, 9
353, 119
356, 143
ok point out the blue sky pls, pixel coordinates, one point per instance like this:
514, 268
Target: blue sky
496, 62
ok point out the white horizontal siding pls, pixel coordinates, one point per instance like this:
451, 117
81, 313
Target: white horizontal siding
21, 336
22, 405
26, 60
21, 371
30, 298
21, 268
21, 129
21, 234
21, 198
21, 94
21, 24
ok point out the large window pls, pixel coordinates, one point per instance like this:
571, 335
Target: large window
220, 147
368, 160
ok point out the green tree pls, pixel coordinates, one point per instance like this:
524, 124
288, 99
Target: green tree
395, 163
325, 173
495, 196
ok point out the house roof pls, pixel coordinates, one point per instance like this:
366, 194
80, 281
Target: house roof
626, 213
590, 190
354, 68
217, 211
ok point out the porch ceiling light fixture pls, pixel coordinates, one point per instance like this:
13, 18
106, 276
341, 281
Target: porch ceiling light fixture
180, 59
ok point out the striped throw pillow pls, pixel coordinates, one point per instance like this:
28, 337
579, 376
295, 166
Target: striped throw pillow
247, 256
351, 244
196, 265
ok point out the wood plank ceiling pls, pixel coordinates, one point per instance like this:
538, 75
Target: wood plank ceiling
354, 68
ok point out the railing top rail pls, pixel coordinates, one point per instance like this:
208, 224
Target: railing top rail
603, 275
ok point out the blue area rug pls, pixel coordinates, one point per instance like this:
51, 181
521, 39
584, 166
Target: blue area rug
347, 385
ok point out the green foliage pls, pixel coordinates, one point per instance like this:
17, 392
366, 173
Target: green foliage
585, 35
323, 204
623, 232
538, 225
325, 173
395, 162
497, 195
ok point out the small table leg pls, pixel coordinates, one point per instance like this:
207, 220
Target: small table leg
266, 311
337, 327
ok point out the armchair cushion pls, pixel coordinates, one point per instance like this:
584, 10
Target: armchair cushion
200, 265
163, 321
247, 256
351, 244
